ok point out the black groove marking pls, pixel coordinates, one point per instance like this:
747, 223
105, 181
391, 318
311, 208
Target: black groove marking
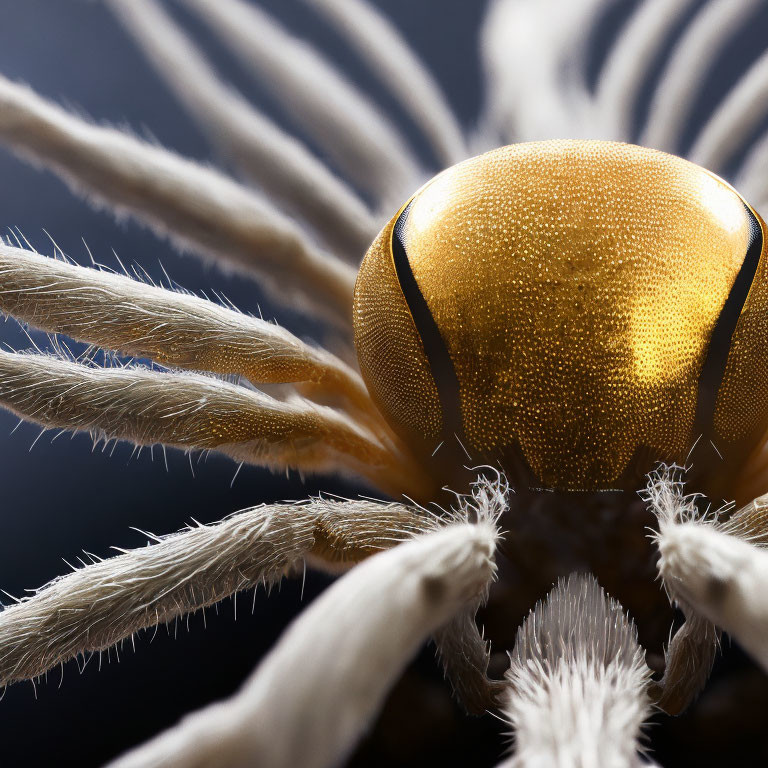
713, 370
438, 357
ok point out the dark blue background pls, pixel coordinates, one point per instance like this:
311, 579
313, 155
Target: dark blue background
62, 497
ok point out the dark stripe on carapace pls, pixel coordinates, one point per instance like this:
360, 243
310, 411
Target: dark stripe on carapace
438, 357
713, 370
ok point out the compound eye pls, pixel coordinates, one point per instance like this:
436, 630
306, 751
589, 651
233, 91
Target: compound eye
391, 352
437, 355
738, 356
574, 311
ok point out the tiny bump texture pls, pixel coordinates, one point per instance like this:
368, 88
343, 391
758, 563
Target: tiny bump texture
742, 403
391, 355
576, 285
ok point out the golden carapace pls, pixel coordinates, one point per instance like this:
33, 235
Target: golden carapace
571, 310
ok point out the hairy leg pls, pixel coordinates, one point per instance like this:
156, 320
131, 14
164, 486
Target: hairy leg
197, 207
715, 570
191, 411
315, 694
173, 328
353, 131
264, 153
109, 600
577, 683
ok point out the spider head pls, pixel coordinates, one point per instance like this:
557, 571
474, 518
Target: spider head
572, 310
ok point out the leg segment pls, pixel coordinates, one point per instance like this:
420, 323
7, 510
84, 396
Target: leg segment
196, 206
280, 164
577, 683
191, 411
173, 328
316, 693
103, 603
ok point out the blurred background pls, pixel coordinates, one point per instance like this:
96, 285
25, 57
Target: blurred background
61, 497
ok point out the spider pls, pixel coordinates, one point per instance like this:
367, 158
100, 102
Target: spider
231, 383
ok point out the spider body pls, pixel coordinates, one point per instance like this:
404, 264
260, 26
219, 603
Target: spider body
570, 311
574, 310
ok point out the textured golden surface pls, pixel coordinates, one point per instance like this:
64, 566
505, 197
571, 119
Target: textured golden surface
576, 285
743, 394
389, 349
